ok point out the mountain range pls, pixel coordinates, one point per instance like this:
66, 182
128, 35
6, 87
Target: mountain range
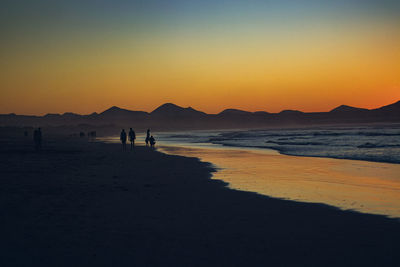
172, 117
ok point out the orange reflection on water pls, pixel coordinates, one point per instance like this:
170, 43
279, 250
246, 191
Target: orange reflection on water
348, 184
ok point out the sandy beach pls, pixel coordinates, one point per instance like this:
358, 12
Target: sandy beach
79, 203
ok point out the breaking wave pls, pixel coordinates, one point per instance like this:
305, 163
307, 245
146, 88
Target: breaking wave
359, 143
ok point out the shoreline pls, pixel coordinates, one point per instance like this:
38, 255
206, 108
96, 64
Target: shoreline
371, 188
90, 204
115, 139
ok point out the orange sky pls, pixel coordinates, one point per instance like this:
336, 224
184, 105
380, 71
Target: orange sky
249, 65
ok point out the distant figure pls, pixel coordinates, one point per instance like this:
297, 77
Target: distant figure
91, 135
147, 137
26, 133
152, 141
132, 137
123, 139
37, 138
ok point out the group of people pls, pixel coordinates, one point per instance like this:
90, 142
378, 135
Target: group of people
150, 139
37, 138
132, 136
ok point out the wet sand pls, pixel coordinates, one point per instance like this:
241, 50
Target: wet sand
369, 187
90, 204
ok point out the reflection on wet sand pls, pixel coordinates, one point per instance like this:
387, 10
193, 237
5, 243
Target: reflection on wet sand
349, 184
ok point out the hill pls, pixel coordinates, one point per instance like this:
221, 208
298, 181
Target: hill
173, 117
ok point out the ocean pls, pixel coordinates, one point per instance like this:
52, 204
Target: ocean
370, 143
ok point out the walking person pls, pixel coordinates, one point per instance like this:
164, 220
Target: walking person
37, 138
123, 139
132, 137
147, 137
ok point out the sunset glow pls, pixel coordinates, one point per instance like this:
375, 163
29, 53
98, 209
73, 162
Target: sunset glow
211, 55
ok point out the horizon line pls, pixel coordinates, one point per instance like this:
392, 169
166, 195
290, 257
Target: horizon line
149, 112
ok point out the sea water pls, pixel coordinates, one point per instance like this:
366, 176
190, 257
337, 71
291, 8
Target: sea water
371, 143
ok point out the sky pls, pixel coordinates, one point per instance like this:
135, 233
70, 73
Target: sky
86, 56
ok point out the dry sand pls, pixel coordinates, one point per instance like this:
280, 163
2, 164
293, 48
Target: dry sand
90, 204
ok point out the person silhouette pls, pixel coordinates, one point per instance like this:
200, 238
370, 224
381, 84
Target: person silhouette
132, 137
123, 139
37, 138
147, 137
152, 141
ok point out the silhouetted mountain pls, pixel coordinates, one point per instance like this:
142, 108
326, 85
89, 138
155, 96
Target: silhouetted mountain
290, 112
120, 116
71, 115
52, 115
172, 117
390, 112
116, 111
231, 118
261, 113
231, 111
395, 107
345, 108
169, 110
113, 110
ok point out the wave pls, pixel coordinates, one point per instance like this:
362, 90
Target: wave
370, 145
358, 143
378, 134
297, 143
321, 154
249, 134
182, 136
257, 134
